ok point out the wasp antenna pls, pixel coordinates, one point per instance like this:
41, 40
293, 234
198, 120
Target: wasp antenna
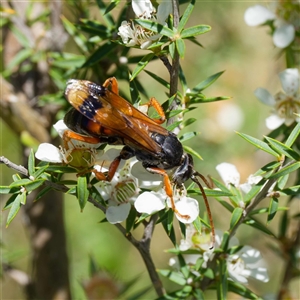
211, 222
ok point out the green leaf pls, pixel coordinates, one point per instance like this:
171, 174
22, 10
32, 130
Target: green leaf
168, 226
6, 189
60, 169
291, 191
158, 79
155, 27
188, 122
286, 170
235, 217
293, 136
82, 191
191, 151
15, 207
79, 38
10, 201
33, 185
22, 55
134, 93
180, 46
282, 149
31, 163
173, 276
187, 136
141, 65
259, 144
22, 38
222, 282
241, 290
186, 15
273, 208
225, 241
254, 191
172, 48
200, 98
194, 31
256, 224
206, 83
173, 126
42, 193
99, 54
112, 5
130, 220
20, 183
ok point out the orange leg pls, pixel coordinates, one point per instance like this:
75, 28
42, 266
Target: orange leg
112, 81
168, 188
68, 135
155, 104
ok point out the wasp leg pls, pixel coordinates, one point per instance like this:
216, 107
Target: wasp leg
168, 188
125, 154
112, 81
69, 135
155, 104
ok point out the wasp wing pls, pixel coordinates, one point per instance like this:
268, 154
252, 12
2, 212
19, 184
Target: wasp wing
111, 111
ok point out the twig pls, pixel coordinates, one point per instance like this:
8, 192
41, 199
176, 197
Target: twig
143, 246
18, 168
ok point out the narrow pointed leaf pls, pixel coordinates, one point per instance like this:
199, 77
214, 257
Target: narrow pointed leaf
236, 215
259, 144
111, 6
286, 170
194, 31
293, 136
222, 282
82, 191
99, 54
207, 82
15, 207
282, 148
186, 15
273, 208
258, 225
241, 290
192, 152
141, 65
31, 163
180, 46
79, 38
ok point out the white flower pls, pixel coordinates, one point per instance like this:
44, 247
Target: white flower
231, 177
119, 193
285, 103
284, 33
136, 35
246, 263
186, 208
77, 154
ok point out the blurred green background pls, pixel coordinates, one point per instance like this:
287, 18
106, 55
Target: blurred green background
250, 60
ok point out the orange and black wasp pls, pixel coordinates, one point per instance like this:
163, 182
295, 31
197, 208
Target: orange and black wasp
100, 115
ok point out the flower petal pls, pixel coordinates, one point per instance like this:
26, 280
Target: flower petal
283, 35
117, 214
150, 202
260, 274
142, 8
264, 96
228, 173
258, 15
274, 122
48, 152
290, 81
60, 127
187, 207
163, 11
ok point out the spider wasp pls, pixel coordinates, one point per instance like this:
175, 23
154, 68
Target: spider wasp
100, 115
